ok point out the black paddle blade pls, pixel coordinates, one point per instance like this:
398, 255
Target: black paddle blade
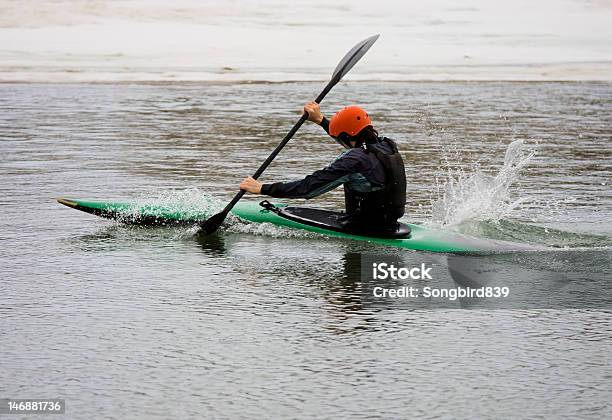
352, 57
213, 223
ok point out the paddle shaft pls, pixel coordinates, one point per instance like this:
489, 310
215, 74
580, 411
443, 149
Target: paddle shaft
280, 147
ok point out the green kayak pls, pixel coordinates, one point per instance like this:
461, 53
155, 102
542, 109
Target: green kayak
420, 237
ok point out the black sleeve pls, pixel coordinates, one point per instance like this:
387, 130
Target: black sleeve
325, 125
316, 183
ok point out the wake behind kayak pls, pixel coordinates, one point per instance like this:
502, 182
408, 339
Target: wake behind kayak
412, 236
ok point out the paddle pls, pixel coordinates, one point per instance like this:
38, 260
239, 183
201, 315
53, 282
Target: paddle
348, 61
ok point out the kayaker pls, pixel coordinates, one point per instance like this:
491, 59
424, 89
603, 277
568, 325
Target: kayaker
371, 170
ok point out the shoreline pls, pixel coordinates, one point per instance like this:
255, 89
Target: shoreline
215, 41
576, 71
267, 82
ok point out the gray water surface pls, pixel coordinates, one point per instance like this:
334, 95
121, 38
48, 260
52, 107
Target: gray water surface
125, 322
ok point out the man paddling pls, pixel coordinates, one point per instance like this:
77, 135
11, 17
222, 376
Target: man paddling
371, 170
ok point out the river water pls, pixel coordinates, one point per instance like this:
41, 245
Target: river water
257, 321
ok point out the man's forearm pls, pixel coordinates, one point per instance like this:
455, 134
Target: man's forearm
325, 125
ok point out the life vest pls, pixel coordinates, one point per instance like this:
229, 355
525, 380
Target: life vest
394, 196
383, 206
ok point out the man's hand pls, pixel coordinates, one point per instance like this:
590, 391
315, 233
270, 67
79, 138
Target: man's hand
314, 112
251, 185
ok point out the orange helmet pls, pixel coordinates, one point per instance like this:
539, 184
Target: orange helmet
350, 120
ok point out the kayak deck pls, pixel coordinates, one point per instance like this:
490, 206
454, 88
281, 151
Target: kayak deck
422, 238
334, 220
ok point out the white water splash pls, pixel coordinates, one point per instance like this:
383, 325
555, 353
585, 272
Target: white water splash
464, 196
192, 202
236, 225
